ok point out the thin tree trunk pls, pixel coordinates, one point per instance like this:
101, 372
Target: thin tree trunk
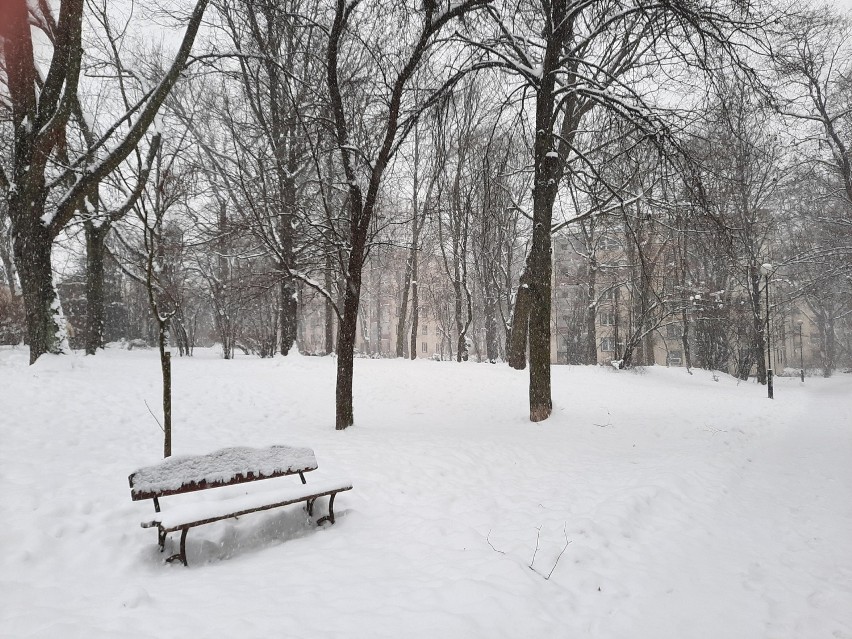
591, 312
415, 305
516, 355
95, 302
9, 268
329, 308
166, 365
288, 319
492, 352
412, 254
759, 343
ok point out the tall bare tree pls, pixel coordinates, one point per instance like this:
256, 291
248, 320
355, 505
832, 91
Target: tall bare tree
393, 112
575, 57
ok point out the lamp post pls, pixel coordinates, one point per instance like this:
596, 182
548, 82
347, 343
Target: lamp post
767, 270
801, 352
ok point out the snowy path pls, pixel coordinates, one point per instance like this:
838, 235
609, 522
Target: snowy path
771, 554
694, 508
799, 485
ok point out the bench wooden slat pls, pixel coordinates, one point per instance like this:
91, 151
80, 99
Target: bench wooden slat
225, 467
197, 514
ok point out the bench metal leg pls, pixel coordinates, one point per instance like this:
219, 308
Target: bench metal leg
309, 504
330, 516
161, 538
182, 554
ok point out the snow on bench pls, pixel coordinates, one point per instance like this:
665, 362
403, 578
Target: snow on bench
186, 473
227, 467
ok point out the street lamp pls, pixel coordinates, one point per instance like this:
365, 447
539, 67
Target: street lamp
801, 352
766, 269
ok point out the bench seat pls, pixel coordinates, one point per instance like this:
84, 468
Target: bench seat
196, 514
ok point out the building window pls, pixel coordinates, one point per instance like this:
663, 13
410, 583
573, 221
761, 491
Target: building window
425, 329
674, 330
675, 358
608, 295
607, 344
606, 318
424, 347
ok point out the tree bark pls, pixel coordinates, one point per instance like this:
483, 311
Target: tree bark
287, 315
592, 311
329, 307
492, 351
412, 254
758, 324
415, 305
289, 303
95, 301
540, 268
45, 323
346, 341
516, 355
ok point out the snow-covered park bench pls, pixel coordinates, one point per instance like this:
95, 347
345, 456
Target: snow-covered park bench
227, 467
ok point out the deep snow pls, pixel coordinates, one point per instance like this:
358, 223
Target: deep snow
682, 507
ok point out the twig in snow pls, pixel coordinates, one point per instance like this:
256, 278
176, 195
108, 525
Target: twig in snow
608, 421
488, 539
535, 552
567, 541
154, 416
556, 563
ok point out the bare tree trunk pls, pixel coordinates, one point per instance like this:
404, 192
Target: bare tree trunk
758, 325
412, 253
95, 301
346, 340
166, 366
827, 343
516, 355
541, 404
415, 305
329, 307
592, 311
45, 324
287, 321
682, 251
377, 280
289, 298
539, 267
492, 351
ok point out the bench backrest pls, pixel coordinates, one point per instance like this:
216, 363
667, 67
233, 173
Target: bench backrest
187, 473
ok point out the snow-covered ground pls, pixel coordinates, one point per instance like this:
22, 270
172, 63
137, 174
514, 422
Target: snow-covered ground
659, 504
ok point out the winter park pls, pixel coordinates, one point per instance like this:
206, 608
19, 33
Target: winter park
369, 318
